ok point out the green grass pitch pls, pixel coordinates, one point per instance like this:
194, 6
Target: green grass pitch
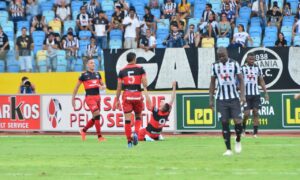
178, 157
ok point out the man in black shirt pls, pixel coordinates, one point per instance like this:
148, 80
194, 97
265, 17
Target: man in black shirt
24, 46
101, 28
4, 45
117, 18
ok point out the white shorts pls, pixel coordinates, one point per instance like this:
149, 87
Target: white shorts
25, 63
130, 43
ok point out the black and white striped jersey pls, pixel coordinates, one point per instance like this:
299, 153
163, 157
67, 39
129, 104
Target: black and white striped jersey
225, 74
251, 75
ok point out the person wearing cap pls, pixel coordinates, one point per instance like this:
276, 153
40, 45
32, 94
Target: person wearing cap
4, 44
117, 18
100, 29
132, 30
71, 45
51, 45
24, 45
63, 12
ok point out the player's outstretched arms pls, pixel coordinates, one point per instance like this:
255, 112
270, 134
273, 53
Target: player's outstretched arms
173, 92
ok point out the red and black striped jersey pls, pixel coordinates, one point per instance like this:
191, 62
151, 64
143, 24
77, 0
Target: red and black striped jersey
131, 77
157, 121
91, 82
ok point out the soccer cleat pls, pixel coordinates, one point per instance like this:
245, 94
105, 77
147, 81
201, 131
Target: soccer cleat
161, 138
129, 144
243, 134
101, 139
238, 147
228, 153
83, 134
135, 139
255, 136
147, 138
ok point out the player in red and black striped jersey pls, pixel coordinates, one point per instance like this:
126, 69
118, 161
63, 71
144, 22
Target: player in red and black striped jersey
131, 77
158, 120
92, 83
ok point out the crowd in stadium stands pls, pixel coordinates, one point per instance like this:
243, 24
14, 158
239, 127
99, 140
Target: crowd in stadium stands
59, 35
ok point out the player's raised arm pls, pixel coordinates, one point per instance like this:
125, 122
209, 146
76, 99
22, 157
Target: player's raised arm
263, 86
75, 92
173, 93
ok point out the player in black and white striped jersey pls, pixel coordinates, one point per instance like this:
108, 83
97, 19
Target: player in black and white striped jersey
225, 71
253, 77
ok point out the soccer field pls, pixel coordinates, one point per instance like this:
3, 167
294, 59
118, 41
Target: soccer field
178, 157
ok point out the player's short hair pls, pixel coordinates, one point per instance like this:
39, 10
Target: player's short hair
250, 54
131, 56
166, 107
221, 50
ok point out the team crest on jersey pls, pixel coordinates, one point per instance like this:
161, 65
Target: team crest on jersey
269, 62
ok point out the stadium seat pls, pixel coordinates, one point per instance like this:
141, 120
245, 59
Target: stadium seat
49, 15
256, 42
115, 34
208, 43
245, 12
78, 67
11, 44
61, 65
115, 44
223, 42
159, 43
156, 13
255, 21
41, 55
107, 5
37, 47
83, 35
82, 46
75, 14
109, 15
294, 5
42, 65
13, 66
287, 30
21, 24
288, 40
162, 33
271, 31
163, 24
38, 34
3, 16
269, 41
3, 5
2, 66
255, 31
8, 26
198, 11
216, 6
47, 6
75, 5
297, 40
288, 20
69, 24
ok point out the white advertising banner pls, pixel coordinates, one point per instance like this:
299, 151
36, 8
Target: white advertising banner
59, 115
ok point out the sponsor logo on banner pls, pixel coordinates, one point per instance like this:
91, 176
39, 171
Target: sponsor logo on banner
59, 115
270, 63
20, 112
291, 111
54, 112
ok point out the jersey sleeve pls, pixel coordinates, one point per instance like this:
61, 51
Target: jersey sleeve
213, 71
120, 75
143, 72
81, 78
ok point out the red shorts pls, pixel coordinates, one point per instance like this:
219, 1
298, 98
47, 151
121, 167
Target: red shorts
93, 102
132, 105
143, 132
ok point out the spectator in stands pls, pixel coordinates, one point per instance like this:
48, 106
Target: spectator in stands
240, 37
92, 50
63, 12
64, 37
51, 45
26, 86
153, 4
207, 13
209, 29
38, 23
286, 10
24, 45
262, 11
184, 9
281, 42
254, 9
296, 28
131, 25
4, 44
83, 20
169, 9
59, 2
56, 35
297, 16
17, 12
174, 39
32, 9
224, 27
192, 38
150, 21
230, 14
101, 28
117, 18
274, 17
56, 25
123, 5
148, 42
231, 4
71, 45
179, 23
92, 8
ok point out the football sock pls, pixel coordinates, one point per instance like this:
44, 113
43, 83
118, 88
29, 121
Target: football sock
238, 131
226, 134
255, 129
97, 125
137, 124
90, 124
128, 129
244, 124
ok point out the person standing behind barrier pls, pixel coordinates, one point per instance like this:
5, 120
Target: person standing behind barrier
24, 45
131, 77
26, 86
51, 45
252, 75
131, 25
4, 44
225, 71
71, 45
92, 82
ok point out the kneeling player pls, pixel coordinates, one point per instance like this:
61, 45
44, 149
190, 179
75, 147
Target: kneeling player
158, 119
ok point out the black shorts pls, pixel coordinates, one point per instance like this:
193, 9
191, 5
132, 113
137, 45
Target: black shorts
228, 109
253, 102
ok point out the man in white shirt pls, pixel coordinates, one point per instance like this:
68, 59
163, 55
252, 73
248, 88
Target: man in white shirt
131, 26
148, 42
63, 12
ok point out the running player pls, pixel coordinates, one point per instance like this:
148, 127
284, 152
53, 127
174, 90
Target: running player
227, 97
252, 76
158, 119
131, 77
92, 82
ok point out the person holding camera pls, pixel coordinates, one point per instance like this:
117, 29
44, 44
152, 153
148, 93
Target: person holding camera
26, 86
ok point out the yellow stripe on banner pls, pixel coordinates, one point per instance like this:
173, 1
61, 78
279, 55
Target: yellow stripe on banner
45, 83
